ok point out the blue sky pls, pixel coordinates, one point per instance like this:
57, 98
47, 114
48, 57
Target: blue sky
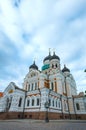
28, 28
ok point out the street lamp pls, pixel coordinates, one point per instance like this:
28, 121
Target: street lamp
24, 104
46, 106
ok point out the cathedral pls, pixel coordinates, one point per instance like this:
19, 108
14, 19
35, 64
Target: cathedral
46, 94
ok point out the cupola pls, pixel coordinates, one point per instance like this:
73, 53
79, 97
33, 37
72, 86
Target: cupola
54, 56
33, 66
65, 69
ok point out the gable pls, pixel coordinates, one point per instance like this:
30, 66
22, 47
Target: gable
10, 88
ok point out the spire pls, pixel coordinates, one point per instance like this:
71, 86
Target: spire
65, 69
34, 62
33, 66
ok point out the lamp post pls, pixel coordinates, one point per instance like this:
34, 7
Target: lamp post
46, 106
24, 104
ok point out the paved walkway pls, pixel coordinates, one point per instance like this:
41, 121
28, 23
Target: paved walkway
41, 125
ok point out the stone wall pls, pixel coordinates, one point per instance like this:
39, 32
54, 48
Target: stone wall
40, 115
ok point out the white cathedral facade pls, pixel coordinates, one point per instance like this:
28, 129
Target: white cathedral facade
47, 94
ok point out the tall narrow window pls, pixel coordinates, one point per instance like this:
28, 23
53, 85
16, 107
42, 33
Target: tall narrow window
49, 102
77, 106
56, 103
7, 102
32, 86
53, 103
10, 101
28, 102
52, 87
32, 102
59, 103
36, 86
20, 102
29, 87
37, 101
56, 65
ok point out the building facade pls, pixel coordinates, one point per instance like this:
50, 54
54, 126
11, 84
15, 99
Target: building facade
49, 93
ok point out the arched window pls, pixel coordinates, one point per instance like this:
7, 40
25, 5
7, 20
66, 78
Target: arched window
53, 103
35, 86
37, 101
77, 106
52, 86
10, 101
7, 104
32, 86
49, 102
29, 87
20, 102
56, 103
28, 102
56, 65
32, 102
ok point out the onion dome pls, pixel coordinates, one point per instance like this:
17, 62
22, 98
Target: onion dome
33, 66
65, 69
47, 57
54, 56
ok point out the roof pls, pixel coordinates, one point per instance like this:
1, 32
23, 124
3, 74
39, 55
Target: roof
34, 66
49, 57
65, 69
54, 56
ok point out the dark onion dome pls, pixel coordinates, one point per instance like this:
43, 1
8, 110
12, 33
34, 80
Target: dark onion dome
65, 69
54, 56
47, 57
33, 66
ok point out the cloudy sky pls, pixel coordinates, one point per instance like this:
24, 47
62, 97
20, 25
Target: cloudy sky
28, 28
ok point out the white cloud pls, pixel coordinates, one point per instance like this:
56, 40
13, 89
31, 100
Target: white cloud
35, 26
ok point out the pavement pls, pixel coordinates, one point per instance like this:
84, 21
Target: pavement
28, 124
